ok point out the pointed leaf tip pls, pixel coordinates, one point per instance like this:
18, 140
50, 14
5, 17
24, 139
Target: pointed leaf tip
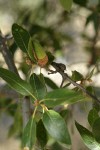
21, 37
16, 82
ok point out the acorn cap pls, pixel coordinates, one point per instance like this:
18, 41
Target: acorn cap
43, 62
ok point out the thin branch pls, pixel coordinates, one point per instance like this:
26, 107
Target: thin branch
60, 68
7, 55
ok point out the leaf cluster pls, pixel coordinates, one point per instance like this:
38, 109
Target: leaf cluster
50, 121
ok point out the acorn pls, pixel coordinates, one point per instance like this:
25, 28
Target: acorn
43, 62
42, 58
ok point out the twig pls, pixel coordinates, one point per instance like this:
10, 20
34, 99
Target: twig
7, 55
60, 68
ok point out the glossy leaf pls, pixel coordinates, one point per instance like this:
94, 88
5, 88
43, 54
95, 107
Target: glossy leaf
41, 134
21, 37
96, 129
38, 86
92, 116
29, 134
87, 137
56, 127
50, 83
16, 82
62, 96
67, 4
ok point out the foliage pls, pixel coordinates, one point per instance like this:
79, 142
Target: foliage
50, 123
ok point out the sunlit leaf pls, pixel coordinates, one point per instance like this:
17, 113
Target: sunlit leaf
16, 82
87, 137
56, 127
29, 134
21, 37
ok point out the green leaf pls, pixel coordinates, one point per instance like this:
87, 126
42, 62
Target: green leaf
31, 51
29, 134
38, 86
76, 76
41, 77
87, 137
21, 37
41, 134
67, 4
96, 129
56, 127
16, 82
62, 96
50, 83
90, 89
92, 116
